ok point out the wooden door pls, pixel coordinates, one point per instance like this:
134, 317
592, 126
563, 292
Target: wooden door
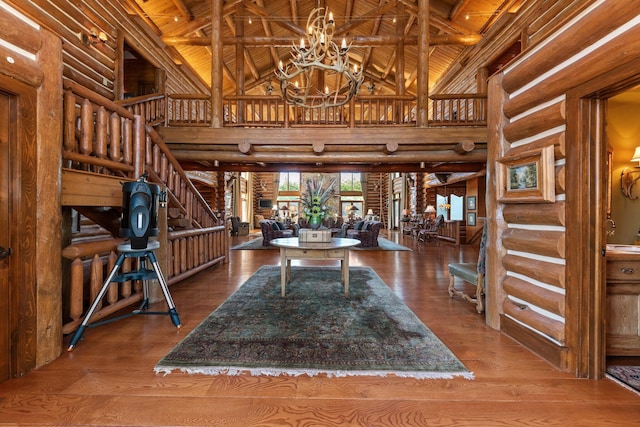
5, 111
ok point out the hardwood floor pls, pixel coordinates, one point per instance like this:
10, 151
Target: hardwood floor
108, 379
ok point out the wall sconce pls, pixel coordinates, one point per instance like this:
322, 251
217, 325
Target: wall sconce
629, 177
93, 37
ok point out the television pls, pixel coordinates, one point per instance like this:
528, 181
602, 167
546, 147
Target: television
265, 203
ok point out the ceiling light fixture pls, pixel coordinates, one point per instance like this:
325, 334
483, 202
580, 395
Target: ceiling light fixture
319, 54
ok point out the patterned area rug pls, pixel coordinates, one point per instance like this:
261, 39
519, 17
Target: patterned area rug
629, 375
313, 330
384, 244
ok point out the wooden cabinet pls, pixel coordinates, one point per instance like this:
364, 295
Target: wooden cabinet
623, 304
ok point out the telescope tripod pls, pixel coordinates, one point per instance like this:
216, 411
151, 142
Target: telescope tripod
143, 274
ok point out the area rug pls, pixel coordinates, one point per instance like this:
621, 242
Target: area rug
314, 330
628, 375
384, 244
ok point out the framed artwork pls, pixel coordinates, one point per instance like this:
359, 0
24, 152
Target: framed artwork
471, 203
471, 219
527, 177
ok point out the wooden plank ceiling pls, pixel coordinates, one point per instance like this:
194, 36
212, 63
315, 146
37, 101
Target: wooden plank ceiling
372, 26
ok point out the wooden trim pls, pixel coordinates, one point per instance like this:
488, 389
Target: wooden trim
546, 349
23, 214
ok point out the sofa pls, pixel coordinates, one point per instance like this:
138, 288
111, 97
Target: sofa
272, 229
365, 231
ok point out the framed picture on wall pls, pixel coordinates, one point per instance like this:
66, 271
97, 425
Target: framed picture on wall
471, 219
471, 203
527, 177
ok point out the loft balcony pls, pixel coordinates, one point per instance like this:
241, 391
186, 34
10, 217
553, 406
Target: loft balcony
371, 132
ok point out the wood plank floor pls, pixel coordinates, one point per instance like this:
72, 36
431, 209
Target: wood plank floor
108, 380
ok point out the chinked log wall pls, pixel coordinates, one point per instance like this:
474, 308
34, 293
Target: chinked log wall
98, 67
530, 254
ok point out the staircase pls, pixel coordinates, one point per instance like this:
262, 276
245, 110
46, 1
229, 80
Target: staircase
106, 144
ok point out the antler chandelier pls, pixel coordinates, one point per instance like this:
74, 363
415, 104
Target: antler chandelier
319, 54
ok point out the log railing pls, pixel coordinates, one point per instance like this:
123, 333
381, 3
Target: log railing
151, 107
106, 138
362, 111
458, 110
188, 110
450, 232
188, 252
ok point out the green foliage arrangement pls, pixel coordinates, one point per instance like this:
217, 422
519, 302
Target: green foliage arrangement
314, 200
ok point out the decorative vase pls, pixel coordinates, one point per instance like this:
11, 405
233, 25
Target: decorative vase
315, 221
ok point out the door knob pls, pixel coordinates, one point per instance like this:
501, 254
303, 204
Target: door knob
5, 252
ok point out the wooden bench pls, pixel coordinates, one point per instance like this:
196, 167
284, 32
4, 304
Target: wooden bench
472, 273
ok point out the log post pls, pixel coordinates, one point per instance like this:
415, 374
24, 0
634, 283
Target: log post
422, 104
217, 114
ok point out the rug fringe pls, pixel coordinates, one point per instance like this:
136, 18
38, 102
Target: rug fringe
275, 372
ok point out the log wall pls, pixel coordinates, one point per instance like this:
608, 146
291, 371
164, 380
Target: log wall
528, 262
99, 67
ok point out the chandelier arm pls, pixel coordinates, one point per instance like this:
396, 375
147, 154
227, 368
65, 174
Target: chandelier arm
319, 53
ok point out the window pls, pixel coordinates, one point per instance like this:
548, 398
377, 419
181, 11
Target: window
443, 206
457, 208
289, 182
350, 182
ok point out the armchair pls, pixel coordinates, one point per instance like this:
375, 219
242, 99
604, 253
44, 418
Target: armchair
430, 232
367, 232
273, 230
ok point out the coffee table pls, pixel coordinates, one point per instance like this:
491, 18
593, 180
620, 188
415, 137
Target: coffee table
292, 248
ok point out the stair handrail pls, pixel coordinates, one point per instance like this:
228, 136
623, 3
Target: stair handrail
99, 101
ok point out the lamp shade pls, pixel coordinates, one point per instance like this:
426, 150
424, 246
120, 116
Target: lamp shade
370, 212
405, 212
430, 208
274, 208
636, 155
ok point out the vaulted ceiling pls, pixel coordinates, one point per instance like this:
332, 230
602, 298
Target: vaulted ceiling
269, 27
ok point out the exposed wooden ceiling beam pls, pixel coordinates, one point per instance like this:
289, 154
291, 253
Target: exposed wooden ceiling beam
475, 169
357, 41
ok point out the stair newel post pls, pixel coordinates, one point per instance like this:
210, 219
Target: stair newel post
139, 147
